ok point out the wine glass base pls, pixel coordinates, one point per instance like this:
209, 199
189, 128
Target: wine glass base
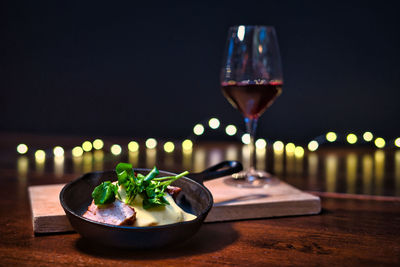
251, 179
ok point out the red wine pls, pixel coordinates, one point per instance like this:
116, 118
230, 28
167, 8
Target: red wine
252, 99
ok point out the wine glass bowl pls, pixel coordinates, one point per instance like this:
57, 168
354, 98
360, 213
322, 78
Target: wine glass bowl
251, 80
252, 98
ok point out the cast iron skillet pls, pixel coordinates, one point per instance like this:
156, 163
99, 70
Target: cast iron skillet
75, 198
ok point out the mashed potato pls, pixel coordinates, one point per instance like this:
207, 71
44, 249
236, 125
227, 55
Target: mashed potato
156, 216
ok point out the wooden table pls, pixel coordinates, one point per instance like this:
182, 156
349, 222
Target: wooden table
353, 229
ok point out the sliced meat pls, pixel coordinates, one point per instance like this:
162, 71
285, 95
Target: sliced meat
173, 191
116, 213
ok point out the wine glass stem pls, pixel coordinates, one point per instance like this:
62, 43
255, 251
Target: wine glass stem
251, 127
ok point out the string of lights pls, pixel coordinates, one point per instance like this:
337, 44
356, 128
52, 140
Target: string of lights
230, 130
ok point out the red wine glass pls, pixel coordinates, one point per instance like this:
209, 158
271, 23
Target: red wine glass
251, 80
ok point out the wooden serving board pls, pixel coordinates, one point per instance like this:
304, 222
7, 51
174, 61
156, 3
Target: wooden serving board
276, 200
230, 203
48, 215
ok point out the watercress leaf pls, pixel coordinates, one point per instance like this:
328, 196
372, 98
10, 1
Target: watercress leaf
104, 193
150, 192
155, 201
151, 188
124, 167
164, 201
114, 188
139, 181
151, 203
147, 204
152, 174
124, 172
141, 187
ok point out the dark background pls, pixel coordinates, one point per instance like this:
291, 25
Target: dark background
119, 69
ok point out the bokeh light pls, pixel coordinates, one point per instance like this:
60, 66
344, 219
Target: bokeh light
87, 146
397, 142
213, 123
198, 129
40, 155
22, 148
58, 151
290, 147
116, 149
77, 151
169, 147
98, 144
151, 143
380, 142
231, 130
351, 138
261, 143
187, 144
331, 136
133, 146
313, 145
368, 136
278, 146
246, 138
299, 151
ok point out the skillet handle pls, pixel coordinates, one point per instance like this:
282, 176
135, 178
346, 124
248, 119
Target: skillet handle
219, 170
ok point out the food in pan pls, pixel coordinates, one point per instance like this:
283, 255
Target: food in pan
137, 200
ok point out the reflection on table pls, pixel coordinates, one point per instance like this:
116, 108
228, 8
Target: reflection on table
355, 170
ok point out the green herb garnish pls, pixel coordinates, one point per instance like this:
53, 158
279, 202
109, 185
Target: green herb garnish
151, 188
104, 193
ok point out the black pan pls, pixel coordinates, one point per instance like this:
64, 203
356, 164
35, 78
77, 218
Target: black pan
75, 198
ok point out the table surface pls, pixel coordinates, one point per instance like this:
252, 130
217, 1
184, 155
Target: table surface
359, 223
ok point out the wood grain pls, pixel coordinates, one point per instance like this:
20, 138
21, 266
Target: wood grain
348, 232
48, 215
275, 200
